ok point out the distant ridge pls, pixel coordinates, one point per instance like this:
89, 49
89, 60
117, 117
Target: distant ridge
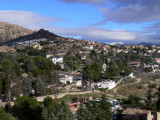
12, 31
117, 43
148, 44
35, 35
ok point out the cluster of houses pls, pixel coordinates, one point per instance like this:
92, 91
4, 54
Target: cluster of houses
154, 65
87, 47
70, 78
57, 57
28, 42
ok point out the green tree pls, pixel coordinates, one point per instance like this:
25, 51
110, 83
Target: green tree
149, 105
27, 108
112, 72
11, 84
127, 71
133, 101
71, 62
97, 67
105, 106
15, 85
48, 102
100, 110
62, 112
29, 65
92, 72
84, 114
26, 85
108, 74
40, 85
158, 101
4, 115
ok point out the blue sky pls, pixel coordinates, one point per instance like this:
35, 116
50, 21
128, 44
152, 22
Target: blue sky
129, 21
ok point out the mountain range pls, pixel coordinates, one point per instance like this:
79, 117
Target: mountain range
148, 44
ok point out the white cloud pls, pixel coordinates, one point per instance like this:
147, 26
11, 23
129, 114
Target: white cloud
26, 19
91, 33
35, 21
132, 11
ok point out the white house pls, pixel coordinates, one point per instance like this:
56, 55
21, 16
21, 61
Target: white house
125, 50
155, 66
104, 68
106, 84
84, 57
79, 83
89, 47
147, 65
117, 50
48, 55
149, 51
65, 78
131, 75
57, 59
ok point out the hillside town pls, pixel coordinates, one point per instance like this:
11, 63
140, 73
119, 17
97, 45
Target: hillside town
79, 60
65, 67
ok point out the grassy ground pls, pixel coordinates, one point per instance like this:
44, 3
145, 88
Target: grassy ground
128, 80
131, 89
140, 88
68, 98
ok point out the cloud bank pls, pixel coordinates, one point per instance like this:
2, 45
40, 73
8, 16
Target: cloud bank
92, 33
26, 19
132, 11
35, 21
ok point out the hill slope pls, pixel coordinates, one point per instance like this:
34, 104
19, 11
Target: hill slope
35, 35
10, 31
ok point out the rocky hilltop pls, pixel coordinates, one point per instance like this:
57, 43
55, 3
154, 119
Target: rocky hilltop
12, 31
40, 34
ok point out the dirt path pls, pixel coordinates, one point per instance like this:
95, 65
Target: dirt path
116, 88
60, 95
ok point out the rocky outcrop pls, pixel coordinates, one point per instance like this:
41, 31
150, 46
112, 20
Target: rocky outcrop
12, 31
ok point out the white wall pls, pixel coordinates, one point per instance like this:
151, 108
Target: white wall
106, 84
79, 83
57, 60
66, 78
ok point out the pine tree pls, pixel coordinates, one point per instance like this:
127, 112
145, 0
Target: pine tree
15, 85
39, 85
62, 112
100, 111
26, 85
158, 102
105, 106
84, 114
